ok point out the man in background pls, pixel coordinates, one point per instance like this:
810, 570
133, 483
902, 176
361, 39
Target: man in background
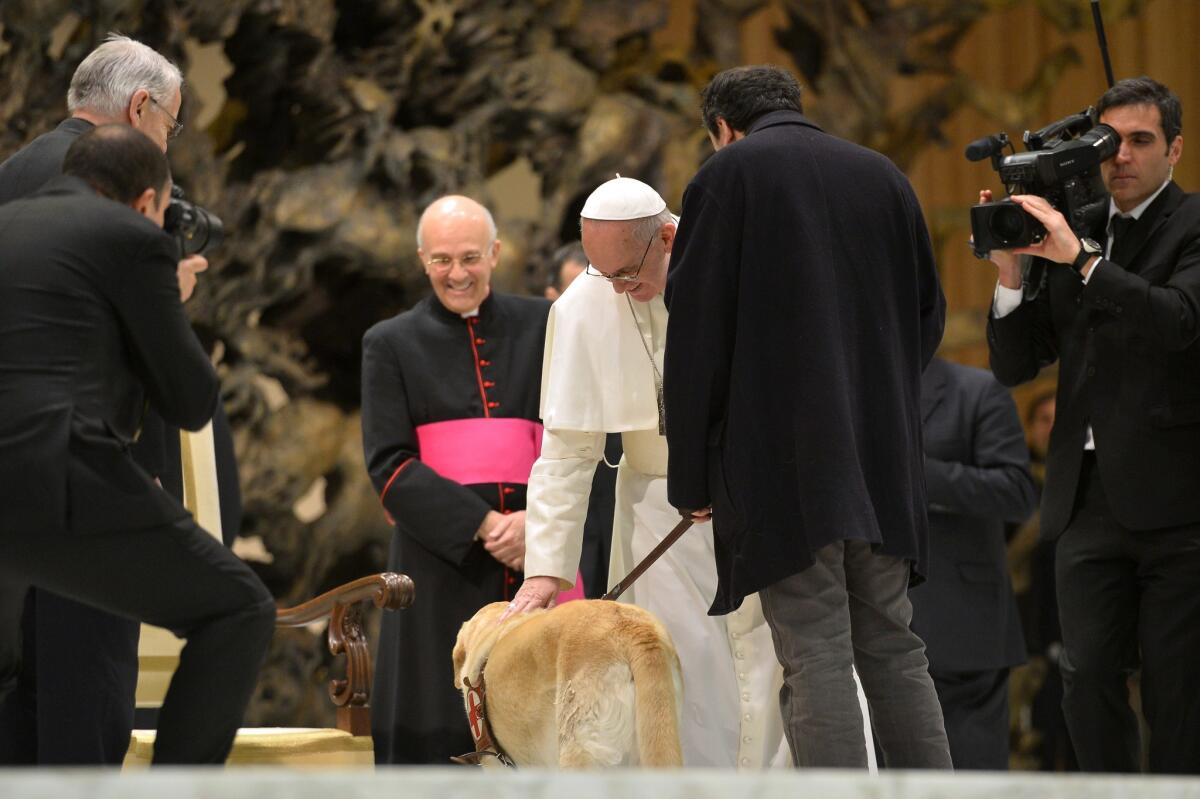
976, 479
74, 703
567, 263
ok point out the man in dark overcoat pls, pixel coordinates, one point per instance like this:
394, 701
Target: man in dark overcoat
1120, 312
977, 478
804, 306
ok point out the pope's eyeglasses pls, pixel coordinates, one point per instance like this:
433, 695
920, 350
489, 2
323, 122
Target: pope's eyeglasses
623, 278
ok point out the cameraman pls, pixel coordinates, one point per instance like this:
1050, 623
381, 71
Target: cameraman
1122, 493
93, 328
74, 702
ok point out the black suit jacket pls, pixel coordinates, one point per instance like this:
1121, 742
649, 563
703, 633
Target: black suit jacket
1129, 357
804, 306
157, 448
37, 162
977, 478
92, 328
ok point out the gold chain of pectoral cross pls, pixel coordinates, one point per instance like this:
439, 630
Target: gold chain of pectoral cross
658, 379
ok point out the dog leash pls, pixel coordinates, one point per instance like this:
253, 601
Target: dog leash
648, 561
481, 730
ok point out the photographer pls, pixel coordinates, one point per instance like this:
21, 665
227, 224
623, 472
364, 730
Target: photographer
74, 702
93, 329
1123, 468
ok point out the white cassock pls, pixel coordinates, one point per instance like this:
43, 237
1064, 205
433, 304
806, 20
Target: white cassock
597, 379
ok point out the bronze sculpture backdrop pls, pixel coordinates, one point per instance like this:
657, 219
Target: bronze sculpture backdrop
318, 130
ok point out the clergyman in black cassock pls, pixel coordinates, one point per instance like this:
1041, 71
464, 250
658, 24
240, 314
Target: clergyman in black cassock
450, 432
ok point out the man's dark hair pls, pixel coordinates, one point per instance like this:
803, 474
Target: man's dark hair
743, 94
1146, 91
118, 162
571, 251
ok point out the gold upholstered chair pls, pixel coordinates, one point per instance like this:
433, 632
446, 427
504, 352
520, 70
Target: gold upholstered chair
347, 744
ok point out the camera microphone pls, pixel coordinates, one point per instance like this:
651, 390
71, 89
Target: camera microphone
984, 148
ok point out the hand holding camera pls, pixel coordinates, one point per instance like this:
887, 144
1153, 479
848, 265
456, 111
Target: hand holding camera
188, 268
1059, 243
1007, 261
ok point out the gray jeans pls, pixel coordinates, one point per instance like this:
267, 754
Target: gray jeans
851, 608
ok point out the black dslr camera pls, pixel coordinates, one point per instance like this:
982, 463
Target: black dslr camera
196, 230
1062, 165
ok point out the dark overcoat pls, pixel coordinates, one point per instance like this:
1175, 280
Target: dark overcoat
977, 478
804, 306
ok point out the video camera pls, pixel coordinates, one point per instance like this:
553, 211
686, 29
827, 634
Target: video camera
196, 230
1062, 165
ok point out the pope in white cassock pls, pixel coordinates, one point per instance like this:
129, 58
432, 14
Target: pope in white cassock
602, 373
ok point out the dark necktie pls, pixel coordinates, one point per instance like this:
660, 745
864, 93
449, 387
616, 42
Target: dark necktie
1122, 227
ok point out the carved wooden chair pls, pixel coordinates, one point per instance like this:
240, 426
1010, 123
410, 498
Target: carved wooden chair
350, 742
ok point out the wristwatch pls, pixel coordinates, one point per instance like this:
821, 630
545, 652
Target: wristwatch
1087, 248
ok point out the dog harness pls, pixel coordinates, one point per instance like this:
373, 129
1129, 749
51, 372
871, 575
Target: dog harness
481, 730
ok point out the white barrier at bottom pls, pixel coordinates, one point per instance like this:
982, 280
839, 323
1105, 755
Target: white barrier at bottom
466, 782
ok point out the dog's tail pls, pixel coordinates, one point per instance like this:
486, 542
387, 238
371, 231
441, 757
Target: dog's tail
656, 697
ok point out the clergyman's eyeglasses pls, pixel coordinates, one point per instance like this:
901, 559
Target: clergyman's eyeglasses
442, 263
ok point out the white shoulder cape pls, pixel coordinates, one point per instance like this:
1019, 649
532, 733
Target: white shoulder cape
596, 376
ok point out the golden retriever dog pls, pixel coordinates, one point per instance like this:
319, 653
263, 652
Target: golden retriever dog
587, 684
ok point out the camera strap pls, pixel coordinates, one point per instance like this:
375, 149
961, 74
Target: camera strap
1033, 276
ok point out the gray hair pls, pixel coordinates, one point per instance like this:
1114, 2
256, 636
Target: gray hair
108, 77
649, 226
643, 228
493, 233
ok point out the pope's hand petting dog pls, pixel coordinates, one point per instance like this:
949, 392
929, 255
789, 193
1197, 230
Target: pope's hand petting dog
535, 592
503, 536
1061, 244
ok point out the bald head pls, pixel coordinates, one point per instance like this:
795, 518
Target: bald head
454, 208
456, 240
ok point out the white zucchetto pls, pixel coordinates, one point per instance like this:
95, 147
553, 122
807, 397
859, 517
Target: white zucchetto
623, 199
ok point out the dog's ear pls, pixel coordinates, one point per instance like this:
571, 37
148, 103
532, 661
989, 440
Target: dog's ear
459, 656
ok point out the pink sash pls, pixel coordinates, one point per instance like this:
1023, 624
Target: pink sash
575, 592
488, 450
483, 450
